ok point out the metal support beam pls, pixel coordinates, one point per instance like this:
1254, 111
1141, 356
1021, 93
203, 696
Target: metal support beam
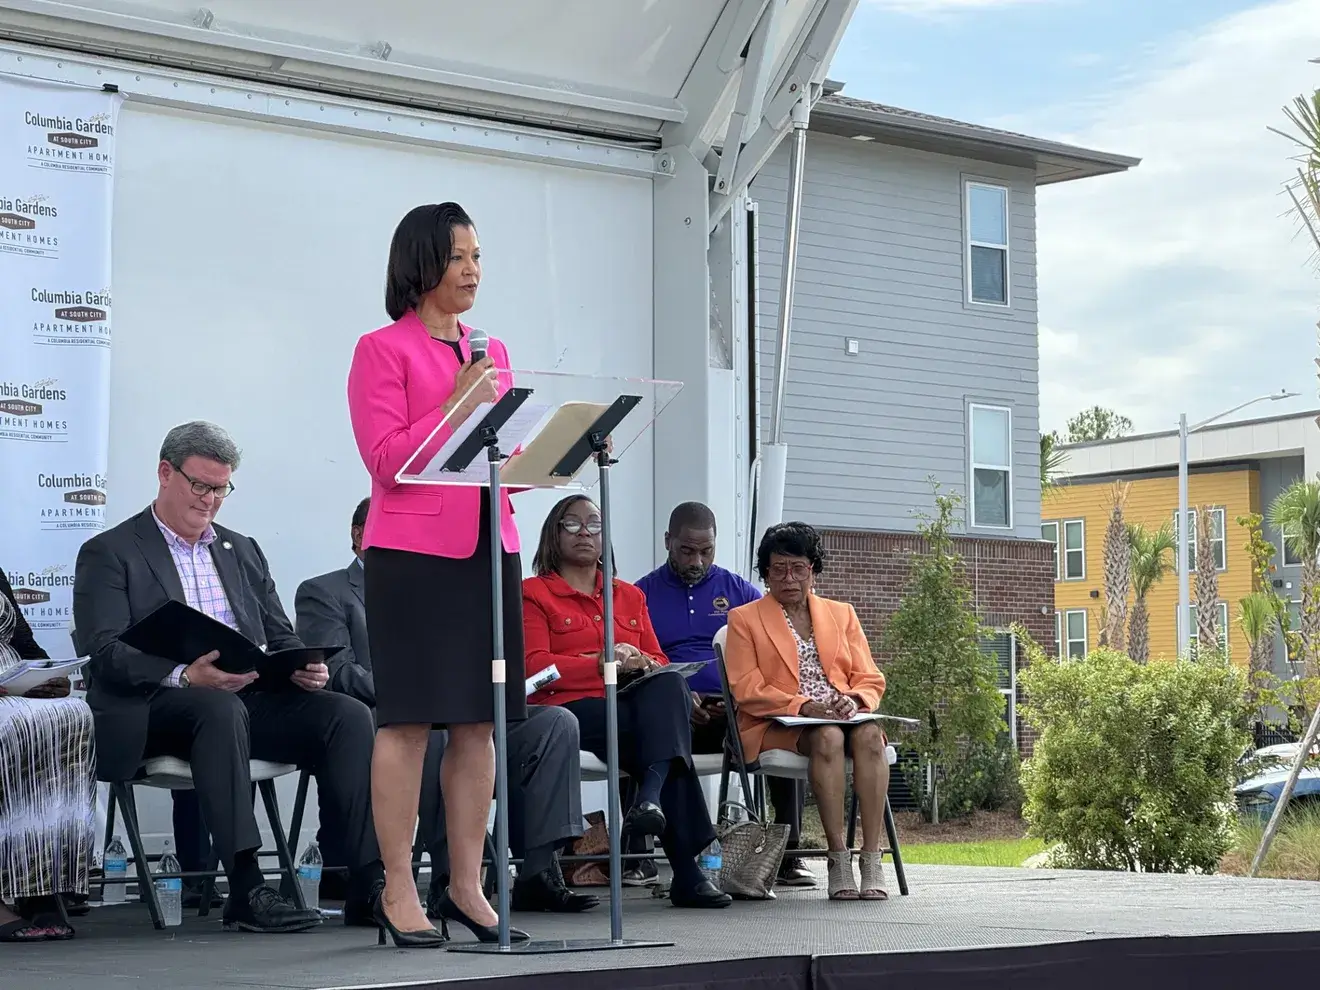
799, 78
712, 74
747, 107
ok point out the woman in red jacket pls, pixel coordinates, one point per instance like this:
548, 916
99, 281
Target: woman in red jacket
562, 625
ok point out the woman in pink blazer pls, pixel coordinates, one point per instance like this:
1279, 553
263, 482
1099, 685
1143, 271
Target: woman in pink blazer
427, 568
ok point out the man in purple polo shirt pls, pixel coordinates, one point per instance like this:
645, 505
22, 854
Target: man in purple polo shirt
689, 597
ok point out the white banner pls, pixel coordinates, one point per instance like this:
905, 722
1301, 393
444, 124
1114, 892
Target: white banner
57, 153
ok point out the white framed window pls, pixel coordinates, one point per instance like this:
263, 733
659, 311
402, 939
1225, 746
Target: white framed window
990, 443
1058, 635
986, 209
1218, 542
1049, 532
1003, 647
1074, 628
1193, 641
1074, 549
1290, 557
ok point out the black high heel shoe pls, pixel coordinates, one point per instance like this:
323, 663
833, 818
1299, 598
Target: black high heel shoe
449, 911
423, 938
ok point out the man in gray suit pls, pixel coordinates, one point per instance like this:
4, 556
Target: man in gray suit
545, 799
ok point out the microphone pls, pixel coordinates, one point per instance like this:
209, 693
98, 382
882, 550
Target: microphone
479, 343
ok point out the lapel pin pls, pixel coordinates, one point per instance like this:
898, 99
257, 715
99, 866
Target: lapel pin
227, 545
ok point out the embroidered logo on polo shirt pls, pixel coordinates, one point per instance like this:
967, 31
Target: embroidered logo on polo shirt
720, 603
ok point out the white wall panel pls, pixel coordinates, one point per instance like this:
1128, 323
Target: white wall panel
248, 259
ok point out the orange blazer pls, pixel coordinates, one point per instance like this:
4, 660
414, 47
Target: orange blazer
760, 656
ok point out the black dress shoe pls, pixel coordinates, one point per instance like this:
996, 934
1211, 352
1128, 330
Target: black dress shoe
644, 818
546, 891
449, 911
263, 910
703, 895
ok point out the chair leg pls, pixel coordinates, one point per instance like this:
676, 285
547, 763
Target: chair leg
892, 832
269, 798
208, 885
109, 835
852, 820
299, 808
123, 793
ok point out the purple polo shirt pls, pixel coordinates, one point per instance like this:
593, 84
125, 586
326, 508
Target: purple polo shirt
686, 619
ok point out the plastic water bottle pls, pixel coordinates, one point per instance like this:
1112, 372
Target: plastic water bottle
170, 891
710, 862
115, 867
309, 876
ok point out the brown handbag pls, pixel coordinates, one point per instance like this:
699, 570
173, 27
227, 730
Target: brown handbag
595, 841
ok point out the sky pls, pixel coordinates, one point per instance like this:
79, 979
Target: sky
1183, 285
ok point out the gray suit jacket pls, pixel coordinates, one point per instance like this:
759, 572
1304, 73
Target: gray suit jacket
330, 611
122, 576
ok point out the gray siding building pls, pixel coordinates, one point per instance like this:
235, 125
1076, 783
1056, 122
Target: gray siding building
914, 352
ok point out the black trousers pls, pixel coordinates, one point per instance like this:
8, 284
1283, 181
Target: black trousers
218, 732
655, 727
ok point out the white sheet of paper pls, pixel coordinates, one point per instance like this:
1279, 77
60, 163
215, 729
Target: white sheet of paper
538, 681
28, 674
860, 717
513, 433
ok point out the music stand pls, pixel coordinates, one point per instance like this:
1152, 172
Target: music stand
556, 424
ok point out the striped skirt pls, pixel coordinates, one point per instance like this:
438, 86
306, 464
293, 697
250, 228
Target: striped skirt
47, 797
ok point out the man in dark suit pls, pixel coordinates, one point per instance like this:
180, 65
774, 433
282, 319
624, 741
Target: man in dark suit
148, 706
545, 798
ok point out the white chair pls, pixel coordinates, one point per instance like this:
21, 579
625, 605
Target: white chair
172, 774
781, 763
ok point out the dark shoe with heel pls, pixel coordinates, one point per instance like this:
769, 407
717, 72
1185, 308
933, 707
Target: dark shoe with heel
449, 911
422, 938
703, 895
644, 818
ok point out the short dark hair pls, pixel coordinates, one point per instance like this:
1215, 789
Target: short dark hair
790, 539
360, 513
691, 515
547, 559
419, 254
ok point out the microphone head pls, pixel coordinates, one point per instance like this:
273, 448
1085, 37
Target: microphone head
479, 343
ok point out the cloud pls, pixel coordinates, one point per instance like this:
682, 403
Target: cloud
939, 8
1181, 286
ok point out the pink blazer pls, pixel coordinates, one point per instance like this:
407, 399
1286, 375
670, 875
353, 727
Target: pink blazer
399, 379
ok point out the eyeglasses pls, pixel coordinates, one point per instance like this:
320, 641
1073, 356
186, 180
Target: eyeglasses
796, 571
202, 488
574, 526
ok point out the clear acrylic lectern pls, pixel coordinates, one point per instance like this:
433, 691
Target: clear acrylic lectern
541, 433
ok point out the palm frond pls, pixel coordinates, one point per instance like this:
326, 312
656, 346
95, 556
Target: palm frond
1152, 556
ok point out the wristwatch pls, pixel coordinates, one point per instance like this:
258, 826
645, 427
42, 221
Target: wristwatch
183, 679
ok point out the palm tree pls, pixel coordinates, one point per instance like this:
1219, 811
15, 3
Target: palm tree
1296, 514
1258, 618
1118, 572
1207, 584
1304, 191
1152, 558
1051, 461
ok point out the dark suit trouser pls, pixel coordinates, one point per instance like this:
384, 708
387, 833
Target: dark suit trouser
655, 726
545, 793
218, 732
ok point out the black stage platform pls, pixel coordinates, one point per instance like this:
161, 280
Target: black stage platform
1016, 928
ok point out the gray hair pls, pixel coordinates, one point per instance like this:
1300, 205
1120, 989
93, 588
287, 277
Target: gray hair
199, 439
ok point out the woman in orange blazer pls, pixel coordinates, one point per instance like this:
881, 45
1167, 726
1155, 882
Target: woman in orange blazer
562, 626
795, 653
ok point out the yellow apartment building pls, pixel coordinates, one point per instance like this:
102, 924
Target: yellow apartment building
1233, 470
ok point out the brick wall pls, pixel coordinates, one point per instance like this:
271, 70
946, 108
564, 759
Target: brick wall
1012, 581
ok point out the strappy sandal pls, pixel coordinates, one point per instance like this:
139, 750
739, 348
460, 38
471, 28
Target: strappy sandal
873, 877
24, 930
841, 886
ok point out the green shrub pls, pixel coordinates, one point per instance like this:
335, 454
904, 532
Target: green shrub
985, 779
1134, 765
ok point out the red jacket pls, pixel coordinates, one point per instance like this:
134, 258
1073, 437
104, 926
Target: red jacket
563, 627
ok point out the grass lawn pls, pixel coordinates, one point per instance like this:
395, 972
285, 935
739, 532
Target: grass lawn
991, 852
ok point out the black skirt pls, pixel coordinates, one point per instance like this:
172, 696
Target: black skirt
429, 623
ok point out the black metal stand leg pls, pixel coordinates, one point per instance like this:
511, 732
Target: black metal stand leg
208, 885
852, 819
272, 803
891, 832
299, 809
123, 792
